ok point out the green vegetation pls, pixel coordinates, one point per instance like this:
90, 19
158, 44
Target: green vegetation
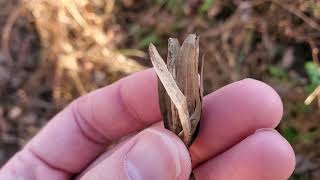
150, 38
313, 72
277, 72
205, 6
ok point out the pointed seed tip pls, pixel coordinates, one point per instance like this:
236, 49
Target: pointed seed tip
191, 38
151, 47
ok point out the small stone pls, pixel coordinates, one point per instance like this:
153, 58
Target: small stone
14, 112
99, 76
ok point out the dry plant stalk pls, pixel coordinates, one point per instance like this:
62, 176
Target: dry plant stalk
180, 86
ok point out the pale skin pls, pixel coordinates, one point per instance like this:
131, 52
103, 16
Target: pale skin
236, 140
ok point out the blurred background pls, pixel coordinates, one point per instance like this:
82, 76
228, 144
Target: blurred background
52, 51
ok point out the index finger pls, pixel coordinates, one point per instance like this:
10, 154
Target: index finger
79, 133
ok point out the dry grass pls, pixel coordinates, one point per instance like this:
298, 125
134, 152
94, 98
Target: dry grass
80, 37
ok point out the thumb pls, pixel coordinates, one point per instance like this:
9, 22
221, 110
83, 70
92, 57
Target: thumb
154, 153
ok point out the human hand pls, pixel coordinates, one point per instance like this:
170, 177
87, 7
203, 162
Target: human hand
236, 140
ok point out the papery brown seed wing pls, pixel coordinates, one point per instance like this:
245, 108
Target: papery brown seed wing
190, 79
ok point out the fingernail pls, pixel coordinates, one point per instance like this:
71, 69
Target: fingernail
155, 156
267, 130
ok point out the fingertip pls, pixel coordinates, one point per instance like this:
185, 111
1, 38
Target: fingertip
263, 155
266, 101
250, 100
275, 151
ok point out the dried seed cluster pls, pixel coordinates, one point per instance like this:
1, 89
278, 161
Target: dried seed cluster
180, 86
